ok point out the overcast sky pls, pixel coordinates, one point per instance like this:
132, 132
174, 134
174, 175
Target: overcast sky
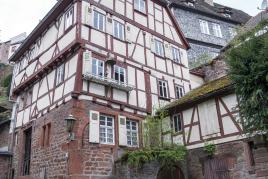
17, 16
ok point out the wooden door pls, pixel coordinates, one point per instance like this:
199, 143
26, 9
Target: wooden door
27, 152
216, 168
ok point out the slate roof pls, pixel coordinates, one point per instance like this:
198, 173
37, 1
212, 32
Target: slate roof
254, 21
237, 16
208, 90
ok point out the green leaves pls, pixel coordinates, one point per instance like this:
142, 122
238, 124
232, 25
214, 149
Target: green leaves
248, 62
165, 156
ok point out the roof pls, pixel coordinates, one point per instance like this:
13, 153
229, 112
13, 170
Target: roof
56, 11
208, 90
254, 21
237, 16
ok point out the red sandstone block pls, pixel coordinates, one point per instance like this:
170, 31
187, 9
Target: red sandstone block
261, 173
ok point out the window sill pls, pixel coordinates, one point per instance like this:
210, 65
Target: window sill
159, 56
177, 133
121, 40
163, 98
140, 12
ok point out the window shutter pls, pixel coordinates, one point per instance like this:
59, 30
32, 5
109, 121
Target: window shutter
88, 15
94, 126
152, 44
122, 130
87, 58
168, 53
128, 33
109, 24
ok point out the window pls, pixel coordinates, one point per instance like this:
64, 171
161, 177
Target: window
60, 74
29, 97
13, 49
119, 30
106, 129
132, 133
69, 18
140, 5
99, 21
204, 26
177, 123
119, 74
163, 90
179, 91
176, 55
232, 32
98, 68
216, 30
45, 135
159, 48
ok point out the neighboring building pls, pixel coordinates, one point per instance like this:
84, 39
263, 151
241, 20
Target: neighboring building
207, 26
8, 48
109, 64
209, 115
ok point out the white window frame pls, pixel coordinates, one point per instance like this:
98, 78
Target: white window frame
60, 74
131, 132
217, 30
140, 5
204, 26
69, 18
159, 48
106, 128
119, 70
98, 68
163, 86
179, 91
177, 120
98, 23
176, 55
118, 30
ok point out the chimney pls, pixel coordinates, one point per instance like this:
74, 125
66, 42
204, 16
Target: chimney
210, 2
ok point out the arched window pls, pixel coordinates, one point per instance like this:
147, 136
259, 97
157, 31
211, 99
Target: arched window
170, 173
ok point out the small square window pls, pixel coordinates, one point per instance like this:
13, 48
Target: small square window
119, 30
159, 48
69, 18
179, 91
140, 5
176, 55
132, 133
177, 123
60, 74
163, 89
98, 21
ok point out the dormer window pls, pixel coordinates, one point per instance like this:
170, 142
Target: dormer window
190, 3
140, 5
69, 18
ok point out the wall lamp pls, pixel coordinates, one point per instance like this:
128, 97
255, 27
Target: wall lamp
70, 120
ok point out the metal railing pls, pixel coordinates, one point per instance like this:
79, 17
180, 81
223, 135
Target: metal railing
108, 82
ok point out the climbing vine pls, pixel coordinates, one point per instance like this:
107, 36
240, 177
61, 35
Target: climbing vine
154, 148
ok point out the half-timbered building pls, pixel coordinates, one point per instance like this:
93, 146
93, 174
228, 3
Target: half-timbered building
108, 64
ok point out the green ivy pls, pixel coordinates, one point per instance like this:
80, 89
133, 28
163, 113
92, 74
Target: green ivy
248, 62
210, 149
165, 156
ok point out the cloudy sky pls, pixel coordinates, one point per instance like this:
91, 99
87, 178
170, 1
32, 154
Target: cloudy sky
17, 16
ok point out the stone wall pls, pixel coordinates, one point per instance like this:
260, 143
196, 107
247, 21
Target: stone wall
4, 165
237, 156
4, 134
